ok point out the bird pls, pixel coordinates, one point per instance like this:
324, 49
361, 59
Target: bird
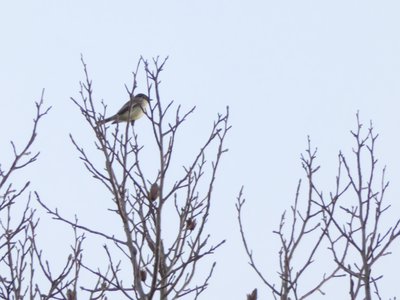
131, 111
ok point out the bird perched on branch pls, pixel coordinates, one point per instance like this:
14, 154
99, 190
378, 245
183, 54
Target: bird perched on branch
132, 110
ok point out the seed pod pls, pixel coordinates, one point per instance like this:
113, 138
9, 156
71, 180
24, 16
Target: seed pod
253, 295
143, 275
154, 192
191, 224
71, 295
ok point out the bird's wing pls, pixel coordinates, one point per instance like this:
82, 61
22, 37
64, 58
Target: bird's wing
128, 105
125, 107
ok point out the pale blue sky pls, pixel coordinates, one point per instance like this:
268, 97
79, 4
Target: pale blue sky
287, 69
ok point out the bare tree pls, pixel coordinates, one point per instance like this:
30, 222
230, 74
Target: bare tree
162, 263
305, 232
349, 221
22, 264
357, 209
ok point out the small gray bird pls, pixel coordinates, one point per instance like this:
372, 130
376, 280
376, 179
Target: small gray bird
132, 110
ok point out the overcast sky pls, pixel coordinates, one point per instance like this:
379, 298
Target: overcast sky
287, 69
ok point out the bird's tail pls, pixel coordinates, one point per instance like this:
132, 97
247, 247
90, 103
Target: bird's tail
106, 120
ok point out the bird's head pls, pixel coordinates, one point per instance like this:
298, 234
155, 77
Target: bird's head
143, 97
